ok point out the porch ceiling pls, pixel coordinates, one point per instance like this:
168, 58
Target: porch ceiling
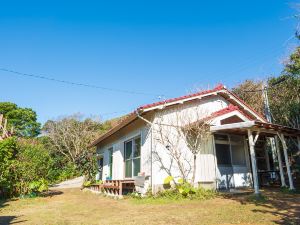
267, 129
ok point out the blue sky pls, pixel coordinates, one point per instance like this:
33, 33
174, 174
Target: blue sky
161, 47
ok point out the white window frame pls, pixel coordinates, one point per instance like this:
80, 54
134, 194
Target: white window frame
131, 157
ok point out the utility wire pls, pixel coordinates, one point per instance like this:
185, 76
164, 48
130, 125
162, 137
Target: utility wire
78, 84
273, 85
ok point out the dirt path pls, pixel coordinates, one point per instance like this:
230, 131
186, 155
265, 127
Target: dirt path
72, 206
73, 183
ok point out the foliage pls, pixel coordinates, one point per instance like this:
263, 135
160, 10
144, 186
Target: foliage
32, 165
8, 149
283, 93
23, 120
38, 186
168, 180
184, 190
27, 167
87, 165
66, 172
285, 100
98, 182
87, 183
255, 98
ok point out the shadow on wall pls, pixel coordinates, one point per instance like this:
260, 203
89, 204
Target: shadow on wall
285, 206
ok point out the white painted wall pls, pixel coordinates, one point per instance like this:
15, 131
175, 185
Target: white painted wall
118, 153
206, 161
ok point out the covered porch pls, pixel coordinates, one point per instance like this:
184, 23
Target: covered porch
277, 135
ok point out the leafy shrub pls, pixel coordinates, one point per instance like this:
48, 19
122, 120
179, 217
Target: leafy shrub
38, 186
87, 183
68, 172
26, 167
183, 190
8, 150
98, 182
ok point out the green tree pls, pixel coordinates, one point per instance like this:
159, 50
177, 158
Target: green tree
23, 120
8, 150
32, 167
284, 98
247, 91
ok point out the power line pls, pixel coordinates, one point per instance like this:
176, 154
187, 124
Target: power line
273, 85
78, 84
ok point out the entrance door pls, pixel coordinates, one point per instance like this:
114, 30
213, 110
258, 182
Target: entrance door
225, 169
231, 161
100, 168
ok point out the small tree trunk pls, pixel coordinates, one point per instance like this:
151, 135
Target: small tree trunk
194, 169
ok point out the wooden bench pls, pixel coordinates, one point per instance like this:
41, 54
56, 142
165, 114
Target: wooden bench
118, 187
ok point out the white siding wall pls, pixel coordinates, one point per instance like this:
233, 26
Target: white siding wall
118, 154
206, 161
206, 170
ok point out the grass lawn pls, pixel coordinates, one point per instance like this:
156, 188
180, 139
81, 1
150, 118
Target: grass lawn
76, 207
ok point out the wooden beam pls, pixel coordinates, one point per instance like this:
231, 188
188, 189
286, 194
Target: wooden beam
283, 184
247, 124
281, 136
253, 161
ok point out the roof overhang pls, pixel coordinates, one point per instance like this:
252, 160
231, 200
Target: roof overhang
219, 90
268, 129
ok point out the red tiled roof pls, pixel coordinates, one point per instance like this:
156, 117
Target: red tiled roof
217, 88
230, 108
242, 101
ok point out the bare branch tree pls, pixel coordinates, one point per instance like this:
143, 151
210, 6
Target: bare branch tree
71, 135
185, 130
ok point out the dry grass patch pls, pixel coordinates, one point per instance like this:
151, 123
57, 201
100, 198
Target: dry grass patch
76, 207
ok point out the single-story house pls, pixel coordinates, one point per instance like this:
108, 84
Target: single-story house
147, 146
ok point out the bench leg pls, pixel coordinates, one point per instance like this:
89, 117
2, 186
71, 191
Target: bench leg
121, 189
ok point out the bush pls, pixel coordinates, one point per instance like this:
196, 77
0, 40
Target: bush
87, 184
38, 186
26, 167
181, 190
68, 172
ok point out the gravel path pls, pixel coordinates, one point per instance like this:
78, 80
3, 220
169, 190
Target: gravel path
73, 183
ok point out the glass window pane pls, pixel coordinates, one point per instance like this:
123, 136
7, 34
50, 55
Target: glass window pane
110, 163
128, 168
128, 150
238, 155
223, 154
137, 147
136, 166
237, 150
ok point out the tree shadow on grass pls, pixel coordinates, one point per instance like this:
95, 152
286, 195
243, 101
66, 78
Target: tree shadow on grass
50, 193
285, 206
5, 220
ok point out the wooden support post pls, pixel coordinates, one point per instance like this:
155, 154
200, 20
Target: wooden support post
283, 184
253, 160
267, 159
287, 163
